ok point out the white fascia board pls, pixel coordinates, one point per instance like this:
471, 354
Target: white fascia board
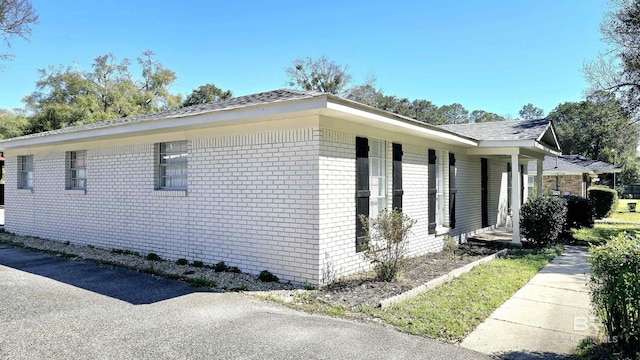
530, 144
553, 133
554, 172
415, 128
177, 123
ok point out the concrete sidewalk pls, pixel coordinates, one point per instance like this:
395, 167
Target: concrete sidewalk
546, 318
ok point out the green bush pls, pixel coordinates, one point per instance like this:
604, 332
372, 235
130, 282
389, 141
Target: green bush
615, 290
197, 264
580, 213
182, 262
604, 200
220, 267
385, 243
266, 276
153, 256
542, 220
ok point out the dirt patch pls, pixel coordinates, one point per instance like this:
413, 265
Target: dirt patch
364, 290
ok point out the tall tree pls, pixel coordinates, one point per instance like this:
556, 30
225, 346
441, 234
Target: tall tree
481, 116
428, 112
12, 124
16, 18
455, 113
600, 129
155, 84
206, 94
618, 70
529, 112
67, 96
321, 75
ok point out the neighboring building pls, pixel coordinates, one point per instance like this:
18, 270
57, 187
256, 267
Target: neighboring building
571, 174
272, 181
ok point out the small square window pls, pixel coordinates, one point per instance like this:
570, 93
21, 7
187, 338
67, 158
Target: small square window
25, 172
76, 170
172, 159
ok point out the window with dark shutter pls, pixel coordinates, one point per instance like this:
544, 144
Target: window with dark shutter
452, 190
362, 189
431, 201
397, 177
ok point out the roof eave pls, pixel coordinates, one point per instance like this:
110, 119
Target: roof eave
401, 122
199, 120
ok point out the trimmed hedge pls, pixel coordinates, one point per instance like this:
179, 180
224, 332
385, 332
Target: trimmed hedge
604, 200
615, 290
580, 213
542, 219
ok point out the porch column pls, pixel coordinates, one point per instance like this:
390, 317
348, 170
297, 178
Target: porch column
539, 177
515, 198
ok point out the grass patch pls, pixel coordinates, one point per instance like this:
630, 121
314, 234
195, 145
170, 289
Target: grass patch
202, 282
622, 214
452, 311
601, 233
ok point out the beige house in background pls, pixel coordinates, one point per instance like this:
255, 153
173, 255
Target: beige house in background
571, 174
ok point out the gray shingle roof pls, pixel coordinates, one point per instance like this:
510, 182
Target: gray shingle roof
501, 130
574, 164
233, 103
593, 165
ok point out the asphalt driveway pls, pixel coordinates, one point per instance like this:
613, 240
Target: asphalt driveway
54, 308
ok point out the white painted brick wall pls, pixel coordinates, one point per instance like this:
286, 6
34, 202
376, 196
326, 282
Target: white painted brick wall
281, 200
252, 201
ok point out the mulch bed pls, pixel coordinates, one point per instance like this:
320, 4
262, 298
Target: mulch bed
363, 289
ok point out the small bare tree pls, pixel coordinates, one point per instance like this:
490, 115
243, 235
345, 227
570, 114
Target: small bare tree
321, 75
386, 242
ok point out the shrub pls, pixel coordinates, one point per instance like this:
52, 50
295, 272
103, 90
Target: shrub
182, 262
615, 290
604, 200
220, 267
153, 256
580, 213
235, 269
266, 276
385, 242
542, 219
197, 264
450, 245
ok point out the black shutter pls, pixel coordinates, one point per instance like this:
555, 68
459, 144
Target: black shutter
431, 201
362, 189
521, 184
397, 177
452, 190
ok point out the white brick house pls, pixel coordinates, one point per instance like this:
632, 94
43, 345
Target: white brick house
267, 181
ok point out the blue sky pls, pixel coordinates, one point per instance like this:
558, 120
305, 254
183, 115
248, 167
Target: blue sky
490, 55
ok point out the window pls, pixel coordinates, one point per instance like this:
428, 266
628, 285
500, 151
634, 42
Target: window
76, 170
25, 172
442, 191
371, 181
172, 165
377, 176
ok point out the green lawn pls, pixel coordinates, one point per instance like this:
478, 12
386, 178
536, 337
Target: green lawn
452, 311
621, 219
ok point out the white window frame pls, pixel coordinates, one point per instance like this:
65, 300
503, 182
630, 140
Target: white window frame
25, 172
76, 170
172, 165
377, 176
